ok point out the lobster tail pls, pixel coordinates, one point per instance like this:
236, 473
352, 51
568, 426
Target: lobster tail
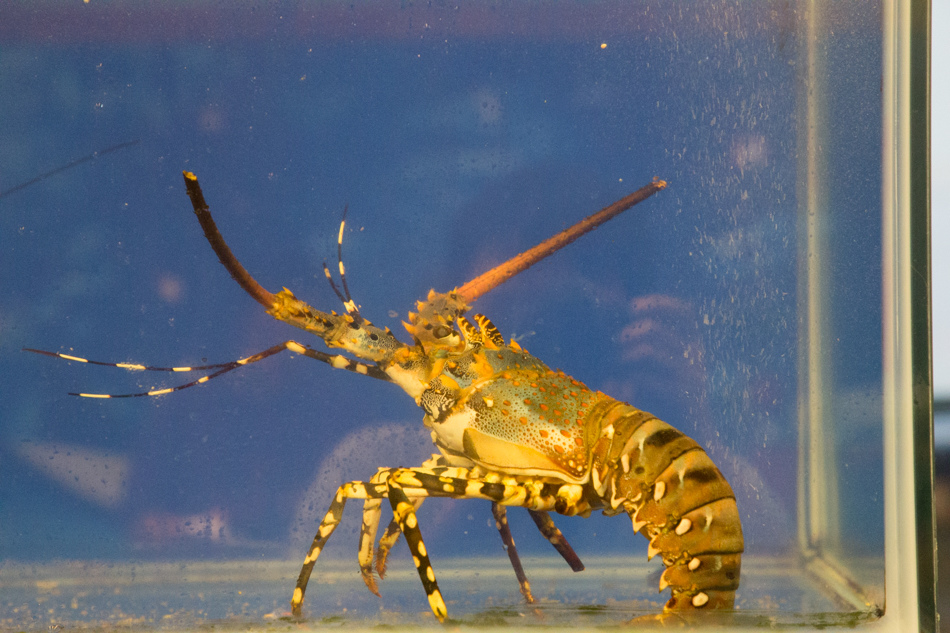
677, 498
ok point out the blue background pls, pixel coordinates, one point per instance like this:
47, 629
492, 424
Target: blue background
458, 138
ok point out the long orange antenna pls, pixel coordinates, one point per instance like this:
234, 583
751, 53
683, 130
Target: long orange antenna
498, 275
238, 272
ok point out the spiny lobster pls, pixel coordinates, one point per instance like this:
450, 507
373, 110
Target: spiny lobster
509, 430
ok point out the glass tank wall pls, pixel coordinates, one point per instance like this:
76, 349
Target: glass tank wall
749, 304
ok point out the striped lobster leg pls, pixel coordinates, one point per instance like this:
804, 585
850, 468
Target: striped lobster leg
371, 517
405, 486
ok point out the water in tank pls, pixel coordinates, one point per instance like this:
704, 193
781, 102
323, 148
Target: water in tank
741, 304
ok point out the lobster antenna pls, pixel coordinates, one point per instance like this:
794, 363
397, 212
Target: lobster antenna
221, 368
498, 275
336, 361
221, 249
78, 161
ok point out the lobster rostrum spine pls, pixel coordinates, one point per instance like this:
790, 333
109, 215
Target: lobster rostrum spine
513, 431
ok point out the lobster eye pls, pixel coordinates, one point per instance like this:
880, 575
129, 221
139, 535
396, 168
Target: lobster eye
442, 331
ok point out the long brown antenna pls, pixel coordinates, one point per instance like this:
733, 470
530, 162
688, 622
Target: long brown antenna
498, 275
217, 242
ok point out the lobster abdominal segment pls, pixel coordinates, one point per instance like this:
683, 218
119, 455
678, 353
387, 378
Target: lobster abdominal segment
677, 498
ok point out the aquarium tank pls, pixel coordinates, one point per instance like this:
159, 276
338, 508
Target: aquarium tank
765, 300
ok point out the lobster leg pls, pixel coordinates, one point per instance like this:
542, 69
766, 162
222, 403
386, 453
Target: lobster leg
501, 522
554, 536
405, 513
373, 492
371, 509
411, 483
405, 487
350, 490
386, 543
393, 530
371, 516
371, 512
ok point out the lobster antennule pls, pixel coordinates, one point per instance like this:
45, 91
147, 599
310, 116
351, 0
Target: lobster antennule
345, 297
348, 303
498, 275
221, 249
